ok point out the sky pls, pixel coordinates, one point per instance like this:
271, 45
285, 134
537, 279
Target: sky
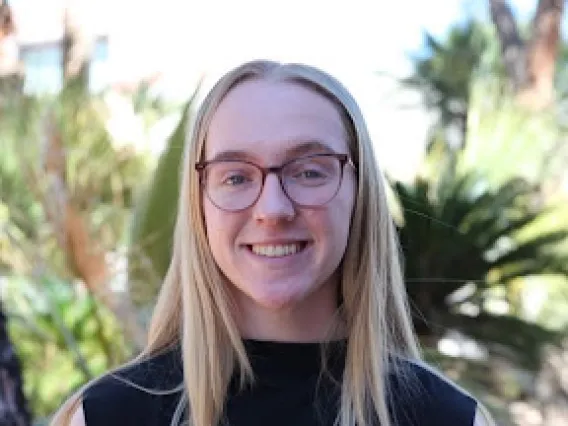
340, 34
352, 39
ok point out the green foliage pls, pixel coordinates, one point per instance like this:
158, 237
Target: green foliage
58, 329
60, 332
153, 220
506, 248
505, 140
100, 179
20, 213
444, 72
460, 241
97, 171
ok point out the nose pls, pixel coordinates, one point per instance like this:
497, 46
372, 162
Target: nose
273, 205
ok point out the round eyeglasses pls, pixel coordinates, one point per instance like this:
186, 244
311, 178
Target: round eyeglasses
309, 181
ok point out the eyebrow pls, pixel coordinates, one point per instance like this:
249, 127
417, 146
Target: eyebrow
303, 148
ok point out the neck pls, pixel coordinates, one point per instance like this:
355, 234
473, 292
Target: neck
314, 319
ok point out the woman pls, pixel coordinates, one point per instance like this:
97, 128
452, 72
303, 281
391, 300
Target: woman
284, 303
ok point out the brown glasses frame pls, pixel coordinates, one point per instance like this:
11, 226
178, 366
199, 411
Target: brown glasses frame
277, 170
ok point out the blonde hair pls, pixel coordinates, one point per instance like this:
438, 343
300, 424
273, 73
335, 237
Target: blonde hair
193, 308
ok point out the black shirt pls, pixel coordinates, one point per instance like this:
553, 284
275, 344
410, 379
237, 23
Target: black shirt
289, 390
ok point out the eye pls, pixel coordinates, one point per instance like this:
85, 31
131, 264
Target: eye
235, 180
231, 174
310, 174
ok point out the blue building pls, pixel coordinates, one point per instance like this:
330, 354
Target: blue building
43, 66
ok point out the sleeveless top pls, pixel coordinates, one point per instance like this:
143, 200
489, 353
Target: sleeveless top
289, 390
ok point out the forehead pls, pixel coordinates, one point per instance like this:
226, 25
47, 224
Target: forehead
268, 120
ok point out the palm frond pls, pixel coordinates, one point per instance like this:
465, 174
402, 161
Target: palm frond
507, 336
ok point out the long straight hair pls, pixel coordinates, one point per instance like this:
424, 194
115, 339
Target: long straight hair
193, 309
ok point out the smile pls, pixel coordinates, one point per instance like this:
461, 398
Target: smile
277, 250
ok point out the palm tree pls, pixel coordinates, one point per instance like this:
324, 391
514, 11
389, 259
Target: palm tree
68, 194
152, 225
530, 64
78, 43
461, 245
444, 74
10, 68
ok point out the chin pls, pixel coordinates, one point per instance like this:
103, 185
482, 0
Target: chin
276, 302
277, 298
280, 294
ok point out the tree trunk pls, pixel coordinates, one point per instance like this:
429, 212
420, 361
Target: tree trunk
85, 257
512, 46
78, 42
13, 408
11, 80
9, 63
530, 65
541, 54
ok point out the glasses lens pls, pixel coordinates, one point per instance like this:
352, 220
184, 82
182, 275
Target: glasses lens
312, 181
232, 185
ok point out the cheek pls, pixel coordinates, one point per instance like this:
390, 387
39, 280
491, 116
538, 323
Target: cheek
345, 202
332, 223
210, 215
222, 230
340, 221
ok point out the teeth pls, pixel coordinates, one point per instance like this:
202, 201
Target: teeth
276, 250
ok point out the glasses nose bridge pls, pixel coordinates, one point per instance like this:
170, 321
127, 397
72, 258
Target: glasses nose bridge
275, 170
273, 203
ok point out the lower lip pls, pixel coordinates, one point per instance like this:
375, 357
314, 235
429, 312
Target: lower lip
280, 260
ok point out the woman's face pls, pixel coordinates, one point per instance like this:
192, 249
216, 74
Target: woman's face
275, 254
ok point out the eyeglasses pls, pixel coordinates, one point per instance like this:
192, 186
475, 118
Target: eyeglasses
309, 181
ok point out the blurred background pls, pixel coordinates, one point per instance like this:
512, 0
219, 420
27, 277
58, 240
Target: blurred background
467, 105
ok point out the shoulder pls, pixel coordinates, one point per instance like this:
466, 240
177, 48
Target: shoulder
420, 391
159, 373
138, 393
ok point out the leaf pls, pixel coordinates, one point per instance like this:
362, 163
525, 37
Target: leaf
533, 248
506, 335
153, 220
